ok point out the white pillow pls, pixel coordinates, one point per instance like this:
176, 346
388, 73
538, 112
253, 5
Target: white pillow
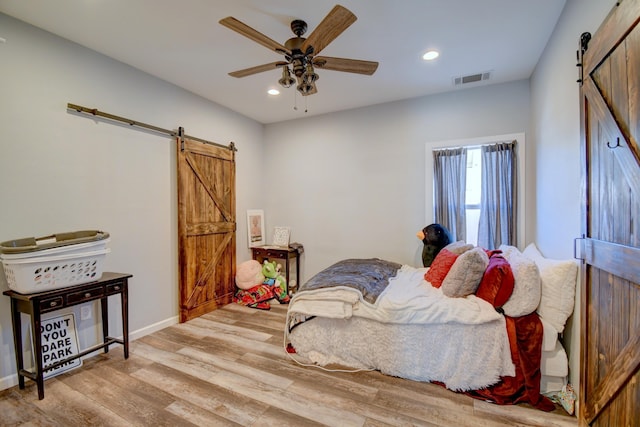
526, 290
507, 250
558, 279
549, 336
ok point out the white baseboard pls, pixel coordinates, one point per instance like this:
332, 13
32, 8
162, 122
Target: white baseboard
8, 382
153, 328
12, 380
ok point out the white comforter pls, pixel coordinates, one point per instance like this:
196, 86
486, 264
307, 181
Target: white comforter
407, 299
413, 331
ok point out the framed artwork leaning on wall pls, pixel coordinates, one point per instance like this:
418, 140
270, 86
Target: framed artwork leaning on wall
255, 227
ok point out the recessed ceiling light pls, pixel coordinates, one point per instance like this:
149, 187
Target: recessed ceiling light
273, 92
431, 55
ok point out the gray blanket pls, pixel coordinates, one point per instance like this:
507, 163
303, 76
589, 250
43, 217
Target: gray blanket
369, 276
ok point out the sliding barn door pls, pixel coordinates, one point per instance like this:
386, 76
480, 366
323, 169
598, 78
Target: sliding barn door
610, 336
206, 227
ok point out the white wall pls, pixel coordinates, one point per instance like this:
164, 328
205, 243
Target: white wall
556, 128
351, 184
60, 171
555, 123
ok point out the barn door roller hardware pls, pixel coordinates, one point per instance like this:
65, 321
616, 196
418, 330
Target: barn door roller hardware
584, 44
181, 137
180, 133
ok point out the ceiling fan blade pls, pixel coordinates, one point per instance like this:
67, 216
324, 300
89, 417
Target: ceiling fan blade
347, 65
338, 20
257, 69
255, 35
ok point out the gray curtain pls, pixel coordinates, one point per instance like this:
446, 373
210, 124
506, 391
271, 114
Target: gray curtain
498, 219
449, 188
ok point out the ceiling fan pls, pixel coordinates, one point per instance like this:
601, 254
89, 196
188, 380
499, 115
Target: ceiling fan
300, 53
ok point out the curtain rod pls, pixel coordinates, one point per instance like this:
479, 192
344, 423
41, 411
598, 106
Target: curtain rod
95, 112
473, 146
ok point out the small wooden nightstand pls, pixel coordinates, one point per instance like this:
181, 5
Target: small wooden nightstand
43, 302
260, 253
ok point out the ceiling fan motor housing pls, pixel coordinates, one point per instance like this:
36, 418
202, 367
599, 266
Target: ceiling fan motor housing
299, 27
297, 58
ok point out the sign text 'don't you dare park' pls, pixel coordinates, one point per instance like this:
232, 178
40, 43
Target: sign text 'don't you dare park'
59, 341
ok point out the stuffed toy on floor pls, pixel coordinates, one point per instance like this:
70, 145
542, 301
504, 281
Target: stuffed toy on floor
252, 291
258, 283
278, 284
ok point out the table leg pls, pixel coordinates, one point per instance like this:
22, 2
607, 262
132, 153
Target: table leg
16, 321
286, 272
104, 309
298, 271
124, 298
37, 350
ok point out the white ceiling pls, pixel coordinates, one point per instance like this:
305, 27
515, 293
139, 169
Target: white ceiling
183, 43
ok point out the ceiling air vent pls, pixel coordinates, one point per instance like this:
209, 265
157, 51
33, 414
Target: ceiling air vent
471, 78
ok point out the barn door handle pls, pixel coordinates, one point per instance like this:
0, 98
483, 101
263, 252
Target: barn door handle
614, 146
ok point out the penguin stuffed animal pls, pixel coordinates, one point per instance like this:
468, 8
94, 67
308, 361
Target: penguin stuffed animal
435, 237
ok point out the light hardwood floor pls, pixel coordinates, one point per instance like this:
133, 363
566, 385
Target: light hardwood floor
229, 368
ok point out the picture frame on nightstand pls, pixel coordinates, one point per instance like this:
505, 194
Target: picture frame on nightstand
281, 236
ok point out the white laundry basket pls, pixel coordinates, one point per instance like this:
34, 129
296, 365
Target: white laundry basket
56, 261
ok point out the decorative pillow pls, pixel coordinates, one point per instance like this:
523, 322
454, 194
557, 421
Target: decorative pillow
549, 335
526, 290
507, 250
459, 247
497, 283
558, 280
440, 267
465, 274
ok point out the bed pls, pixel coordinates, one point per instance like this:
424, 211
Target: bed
495, 340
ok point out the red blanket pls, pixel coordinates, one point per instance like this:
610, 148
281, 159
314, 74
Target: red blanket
525, 340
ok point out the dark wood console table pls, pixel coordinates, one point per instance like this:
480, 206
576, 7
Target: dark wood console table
43, 302
294, 250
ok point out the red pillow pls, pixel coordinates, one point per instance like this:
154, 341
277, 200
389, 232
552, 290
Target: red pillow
497, 282
440, 267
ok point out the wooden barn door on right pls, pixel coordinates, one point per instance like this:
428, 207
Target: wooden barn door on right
610, 116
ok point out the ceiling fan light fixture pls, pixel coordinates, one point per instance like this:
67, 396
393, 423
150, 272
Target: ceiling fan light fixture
286, 80
309, 75
305, 88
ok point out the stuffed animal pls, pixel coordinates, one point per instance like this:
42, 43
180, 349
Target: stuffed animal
271, 272
255, 297
252, 292
249, 274
435, 237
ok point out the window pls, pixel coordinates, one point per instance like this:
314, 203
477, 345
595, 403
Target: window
475, 185
473, 194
